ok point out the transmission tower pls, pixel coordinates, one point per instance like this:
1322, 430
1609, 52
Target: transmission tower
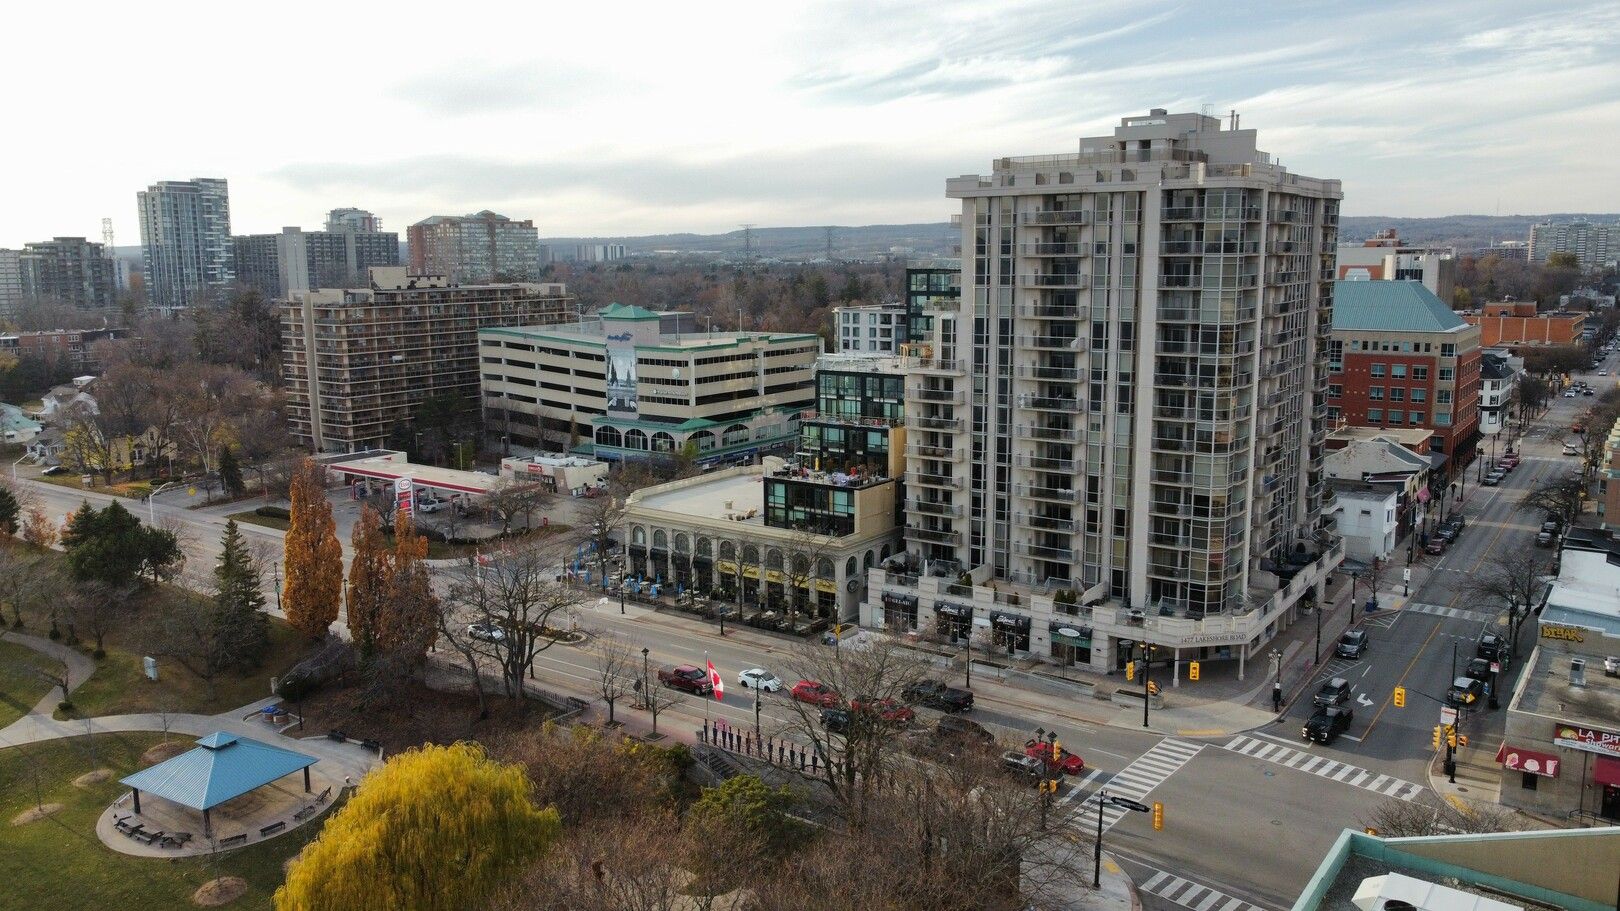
748, 238
829, 242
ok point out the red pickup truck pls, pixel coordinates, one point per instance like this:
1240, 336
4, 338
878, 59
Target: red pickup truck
685, 677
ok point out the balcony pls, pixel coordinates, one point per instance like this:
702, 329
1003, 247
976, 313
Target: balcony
934, 423
922, 451
1048, 523
1208, 247
1060, 374
935, 536
1053, 494
942, 481
1047, 403
933, 508
1050, 434
944, 396
1053, 280
1044, 463
1053, 311
1051, 343
1210, 213
1076, 217
1045, 552
1052, 249
934, 365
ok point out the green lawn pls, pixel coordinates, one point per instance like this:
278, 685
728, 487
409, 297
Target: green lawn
119, 686
20, 686
59, 863
249, 517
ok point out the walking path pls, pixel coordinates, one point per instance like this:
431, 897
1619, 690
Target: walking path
79, 668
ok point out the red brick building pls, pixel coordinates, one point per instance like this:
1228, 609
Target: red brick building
1401, 358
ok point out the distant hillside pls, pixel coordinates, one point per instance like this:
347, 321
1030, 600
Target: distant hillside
799, 243
1465, 232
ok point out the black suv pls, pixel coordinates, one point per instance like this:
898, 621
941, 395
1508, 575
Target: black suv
1353, 644
1464, 691
1327, 723
1334, 692
937, 695
1492, 648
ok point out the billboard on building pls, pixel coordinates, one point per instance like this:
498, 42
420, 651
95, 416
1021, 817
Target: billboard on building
621, 380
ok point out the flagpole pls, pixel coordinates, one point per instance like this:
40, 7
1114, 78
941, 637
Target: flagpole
706, 699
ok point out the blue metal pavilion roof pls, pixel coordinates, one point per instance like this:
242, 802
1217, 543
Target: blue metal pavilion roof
222, 766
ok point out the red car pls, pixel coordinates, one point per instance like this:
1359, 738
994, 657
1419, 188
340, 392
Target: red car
815, 693
889, 710
1069, 763
1436, 546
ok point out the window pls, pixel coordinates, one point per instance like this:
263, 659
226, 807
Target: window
1420, 395
1447, 349
1335, 391
1377, 370
1397, 393
1333, 414
1442, 419
1375, 415
1376, 393
1442, 397
1527, 780
1447, 374
1420, 373
1415, 417
1397, 370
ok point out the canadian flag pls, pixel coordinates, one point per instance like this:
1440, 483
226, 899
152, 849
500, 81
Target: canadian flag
715, 682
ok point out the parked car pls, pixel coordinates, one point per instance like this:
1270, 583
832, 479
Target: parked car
1493, 479
1333, 692
1492, 647
1611, 666
890, 710
1019, 764
1353, 644
1464, 691
485, 631
937, 695
1571, 449
685, 677
836, 721
1436, 546
952, 727
430, 504
758, 678
54, 469
815, 693
1067, 762
1509, 461
1327, 723
1545, 538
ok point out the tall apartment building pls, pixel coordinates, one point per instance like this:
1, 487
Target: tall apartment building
481, 247
298, 260
11, 290
870, 329
599, 253
1594, 246
631, 384
1383, 257
357, 361
930, 290
1118, 435
69, 270
357, 220
1401, 358
185, 242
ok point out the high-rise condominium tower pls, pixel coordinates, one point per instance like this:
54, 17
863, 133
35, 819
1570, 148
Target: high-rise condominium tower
1117, 434
185, 241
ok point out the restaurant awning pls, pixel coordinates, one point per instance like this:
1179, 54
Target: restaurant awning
1522, 760
953, 610
1009, 621
898, 600
1069, 635
1606, 771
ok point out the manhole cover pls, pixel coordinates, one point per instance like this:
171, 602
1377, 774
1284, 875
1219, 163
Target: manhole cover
1463, 790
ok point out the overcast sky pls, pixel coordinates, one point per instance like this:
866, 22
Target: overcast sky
623, 118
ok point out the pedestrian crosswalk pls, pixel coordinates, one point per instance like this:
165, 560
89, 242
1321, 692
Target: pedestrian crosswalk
1196, 896
1139, 778
1076, 787
1313, 764
1440, 610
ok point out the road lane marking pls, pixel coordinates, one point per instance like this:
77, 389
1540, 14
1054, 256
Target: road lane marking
1191, 894
1323, 767
1138, 779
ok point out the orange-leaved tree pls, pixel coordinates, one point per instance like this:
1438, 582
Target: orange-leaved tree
313, 555
369, 575
437, 827
409, 622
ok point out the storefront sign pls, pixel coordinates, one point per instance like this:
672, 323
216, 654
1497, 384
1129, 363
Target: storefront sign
1604, 742
1564, 633
1515, 759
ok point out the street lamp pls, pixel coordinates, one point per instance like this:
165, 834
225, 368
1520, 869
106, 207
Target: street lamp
1147, 671
1096, 851
1276, 684
645, 693
1354, 575
275, 572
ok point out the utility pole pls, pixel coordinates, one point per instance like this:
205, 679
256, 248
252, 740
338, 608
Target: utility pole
829, 242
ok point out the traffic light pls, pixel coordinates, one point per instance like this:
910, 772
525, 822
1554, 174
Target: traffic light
1437, 729
1158, 816
1462, 740
1130, 670
1400, 697
1451, 737
1153, 688
1192, 670
1057, 751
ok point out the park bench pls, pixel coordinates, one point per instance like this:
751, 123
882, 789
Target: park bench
325, 796
122, 825
272, 828
176, 839
234, 840
305, 813
335, 734
147, 838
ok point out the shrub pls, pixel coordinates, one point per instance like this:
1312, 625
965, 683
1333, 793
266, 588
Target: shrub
274, 512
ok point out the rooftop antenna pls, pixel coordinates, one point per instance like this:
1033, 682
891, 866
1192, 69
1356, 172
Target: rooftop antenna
748, 238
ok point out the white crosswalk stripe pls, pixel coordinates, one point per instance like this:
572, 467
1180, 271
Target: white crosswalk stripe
1139, 779
1440, 610
1327, 768
1193, 895
1076, 788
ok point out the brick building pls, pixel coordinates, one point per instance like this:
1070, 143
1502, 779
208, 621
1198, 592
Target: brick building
1518, 323
74, 347
1401, 358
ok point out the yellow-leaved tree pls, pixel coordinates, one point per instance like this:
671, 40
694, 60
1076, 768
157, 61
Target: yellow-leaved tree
369, 573
435, 828
314, 558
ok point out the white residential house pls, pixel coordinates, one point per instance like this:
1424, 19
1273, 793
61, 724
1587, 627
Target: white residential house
15, 426
1367, 518
1497, 380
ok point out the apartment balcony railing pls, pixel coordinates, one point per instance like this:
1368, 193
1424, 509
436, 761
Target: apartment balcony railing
935, 535
1287, 247
1211, 213
1041, 372
1076, 217
1048, 523
1052, 343
923, 451
906, 580
1209, 281
1053, 311
1208, 247
1051, 434
1044, 463
1288, 277
1200, 315
946, 396
944, 481
934, 423
1044, 551
1053, 494
1052, 249
1053, 280
933, 508
934, 365
1050, 403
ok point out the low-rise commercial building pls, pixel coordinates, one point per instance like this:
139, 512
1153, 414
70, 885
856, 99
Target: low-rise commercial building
1398, 461
1515, 323
629, 383
1560, 754
357, 361
1383, 257
1497, 380
1366, 514
557, 472
870, 329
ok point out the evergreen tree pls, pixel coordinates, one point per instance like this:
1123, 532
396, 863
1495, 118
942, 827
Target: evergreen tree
314, 558
240, 627
230, 473
9, 511
369, 573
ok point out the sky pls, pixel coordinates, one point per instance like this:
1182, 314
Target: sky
627, 118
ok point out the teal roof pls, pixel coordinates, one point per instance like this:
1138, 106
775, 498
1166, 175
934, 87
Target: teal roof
1386, 306
622, 312
13, 418
222, 766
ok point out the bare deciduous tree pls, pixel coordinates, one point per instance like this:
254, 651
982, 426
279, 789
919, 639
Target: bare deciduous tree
1400, 818
616, 671
1560, 497
512, 499
1516, 579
